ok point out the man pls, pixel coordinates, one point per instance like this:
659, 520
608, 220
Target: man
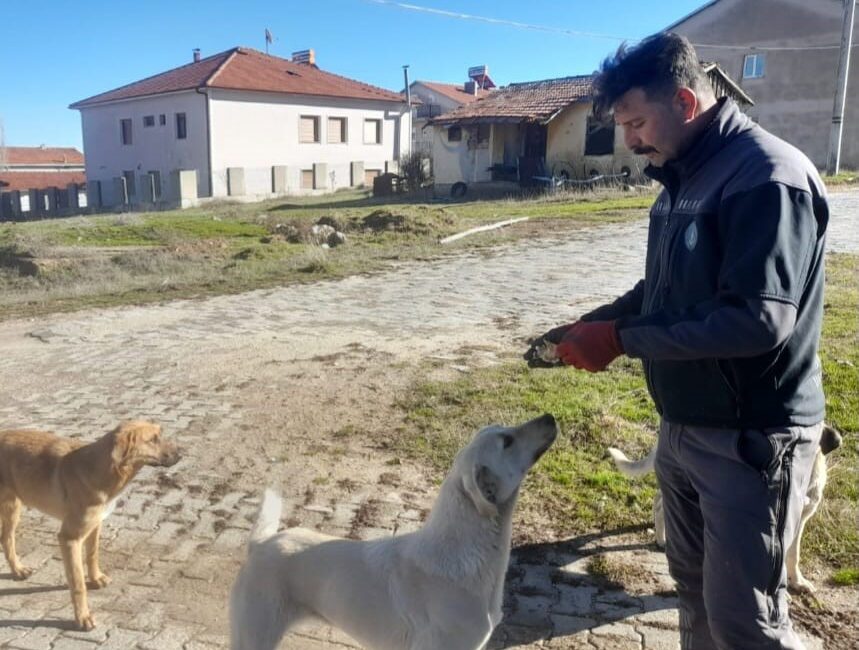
727, 322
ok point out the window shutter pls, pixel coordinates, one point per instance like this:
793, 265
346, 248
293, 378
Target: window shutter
336, 130
372, 131
308, 130
307, 179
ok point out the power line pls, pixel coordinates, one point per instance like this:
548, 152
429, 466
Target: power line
495, 21
573, 32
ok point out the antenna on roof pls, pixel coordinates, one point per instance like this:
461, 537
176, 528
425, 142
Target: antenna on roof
268, 39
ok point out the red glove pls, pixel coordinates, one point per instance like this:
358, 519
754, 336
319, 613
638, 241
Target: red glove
590, 345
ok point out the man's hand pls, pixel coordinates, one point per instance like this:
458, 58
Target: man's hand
590, 345
541, 353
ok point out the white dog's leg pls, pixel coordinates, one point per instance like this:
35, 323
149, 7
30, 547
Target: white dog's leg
659, 520
456, 637
795, 580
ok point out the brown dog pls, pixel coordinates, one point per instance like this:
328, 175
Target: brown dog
74, 482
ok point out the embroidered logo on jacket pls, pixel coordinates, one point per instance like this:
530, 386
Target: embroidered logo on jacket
690, 238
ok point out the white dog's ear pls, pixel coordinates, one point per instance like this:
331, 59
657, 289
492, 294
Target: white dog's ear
482, 486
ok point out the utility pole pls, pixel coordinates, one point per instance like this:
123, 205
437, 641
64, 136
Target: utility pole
408, 106
837, 129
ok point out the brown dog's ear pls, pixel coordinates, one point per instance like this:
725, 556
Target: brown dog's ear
481, 485
124, 441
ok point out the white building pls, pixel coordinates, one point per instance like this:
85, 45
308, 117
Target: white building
435, 98
248, 124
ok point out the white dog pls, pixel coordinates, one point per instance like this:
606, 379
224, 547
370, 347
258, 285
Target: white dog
440, 587
830, 440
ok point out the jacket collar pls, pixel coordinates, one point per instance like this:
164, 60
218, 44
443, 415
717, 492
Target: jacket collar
726, 124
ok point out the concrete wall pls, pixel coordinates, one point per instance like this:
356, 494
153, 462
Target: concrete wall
154, 148
794, 98
460, 161
506, 144
257, 131
565, 151
565, 147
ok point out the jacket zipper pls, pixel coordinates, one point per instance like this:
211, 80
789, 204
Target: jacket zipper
648, 374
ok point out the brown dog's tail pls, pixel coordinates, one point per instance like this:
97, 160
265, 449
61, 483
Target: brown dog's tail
268, 519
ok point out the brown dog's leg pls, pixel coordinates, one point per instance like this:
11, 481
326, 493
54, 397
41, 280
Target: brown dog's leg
71, 548
10, 513
97, 580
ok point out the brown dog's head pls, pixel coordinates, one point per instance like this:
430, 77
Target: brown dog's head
137, 443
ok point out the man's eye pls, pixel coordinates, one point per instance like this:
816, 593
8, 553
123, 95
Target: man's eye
508, 440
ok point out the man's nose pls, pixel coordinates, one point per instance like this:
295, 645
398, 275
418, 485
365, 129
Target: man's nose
630, 139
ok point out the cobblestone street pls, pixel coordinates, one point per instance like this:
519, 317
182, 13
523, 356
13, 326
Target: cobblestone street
231, 377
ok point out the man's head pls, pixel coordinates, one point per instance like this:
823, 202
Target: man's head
656, 90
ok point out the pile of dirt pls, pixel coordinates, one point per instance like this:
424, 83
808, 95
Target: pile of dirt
23, 262
383, 220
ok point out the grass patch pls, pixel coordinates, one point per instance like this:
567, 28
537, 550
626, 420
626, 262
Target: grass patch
105, 260
575, 481
832, 535
577, 487
842, 179
846, 577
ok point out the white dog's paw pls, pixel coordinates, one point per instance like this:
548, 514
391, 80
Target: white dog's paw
800, 585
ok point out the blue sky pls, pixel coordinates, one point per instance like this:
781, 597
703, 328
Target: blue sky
54, 53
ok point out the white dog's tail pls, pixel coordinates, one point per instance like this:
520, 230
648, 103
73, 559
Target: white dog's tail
268, 519
633, 468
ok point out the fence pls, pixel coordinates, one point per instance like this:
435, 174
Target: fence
44, 203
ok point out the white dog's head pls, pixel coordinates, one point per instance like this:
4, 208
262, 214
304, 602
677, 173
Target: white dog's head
494, 463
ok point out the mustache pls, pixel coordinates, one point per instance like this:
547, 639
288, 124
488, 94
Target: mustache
641, 151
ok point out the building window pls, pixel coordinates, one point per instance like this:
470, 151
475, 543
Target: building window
162, 119
148, 120
181, 126
129, 186
125, 131
308, 129
336, 130
372, 131
154, 177
753, 66
599, 139
483, 131
307, 179
454, 134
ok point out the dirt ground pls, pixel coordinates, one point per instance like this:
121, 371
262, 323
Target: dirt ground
297, 388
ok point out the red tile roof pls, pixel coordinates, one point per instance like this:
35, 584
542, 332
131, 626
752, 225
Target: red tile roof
532, 101
41, 156
38, 180
243, 68
456, 92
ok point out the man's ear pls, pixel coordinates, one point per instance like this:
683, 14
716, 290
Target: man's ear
481, 485
686, 102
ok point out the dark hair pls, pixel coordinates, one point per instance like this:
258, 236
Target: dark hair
659, 65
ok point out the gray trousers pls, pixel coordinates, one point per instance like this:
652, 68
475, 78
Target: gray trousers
733, 501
